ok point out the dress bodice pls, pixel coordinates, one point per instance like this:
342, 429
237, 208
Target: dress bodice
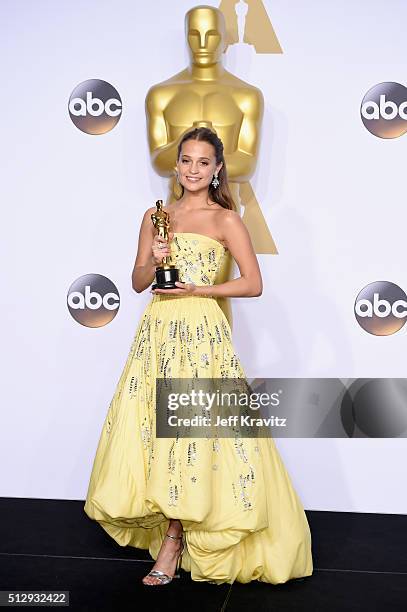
199, 258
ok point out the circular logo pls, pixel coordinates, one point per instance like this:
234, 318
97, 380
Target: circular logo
381, 308
93, 300
95, 106
384, 110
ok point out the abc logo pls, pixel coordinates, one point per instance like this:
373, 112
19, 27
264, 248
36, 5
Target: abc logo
95, 106
93, 300
384, 110
381, 308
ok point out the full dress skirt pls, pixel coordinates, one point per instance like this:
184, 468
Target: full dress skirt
241, 516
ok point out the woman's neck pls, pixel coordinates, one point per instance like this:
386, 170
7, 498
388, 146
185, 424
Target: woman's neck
194, 201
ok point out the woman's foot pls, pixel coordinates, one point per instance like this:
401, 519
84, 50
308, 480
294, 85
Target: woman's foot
166, 562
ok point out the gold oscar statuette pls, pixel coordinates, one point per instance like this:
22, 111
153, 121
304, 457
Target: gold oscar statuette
166, 274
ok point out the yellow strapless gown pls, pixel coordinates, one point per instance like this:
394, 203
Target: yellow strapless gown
241, 516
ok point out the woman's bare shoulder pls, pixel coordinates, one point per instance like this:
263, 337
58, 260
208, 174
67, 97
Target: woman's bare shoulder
150, 210
228, 217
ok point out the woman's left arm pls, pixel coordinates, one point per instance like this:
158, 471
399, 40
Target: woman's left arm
238, 241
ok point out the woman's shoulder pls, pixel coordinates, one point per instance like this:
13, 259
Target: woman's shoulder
230, 224
228, 217
150, 210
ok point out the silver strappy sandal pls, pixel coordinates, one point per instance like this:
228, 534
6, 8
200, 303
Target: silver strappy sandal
162, 577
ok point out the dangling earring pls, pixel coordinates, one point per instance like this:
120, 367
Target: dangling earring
215, 181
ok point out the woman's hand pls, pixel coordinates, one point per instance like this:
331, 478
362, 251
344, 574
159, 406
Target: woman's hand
160, 248
184, 289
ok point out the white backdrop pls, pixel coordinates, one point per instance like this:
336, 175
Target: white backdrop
331, 192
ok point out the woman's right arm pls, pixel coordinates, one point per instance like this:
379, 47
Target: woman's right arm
149, 255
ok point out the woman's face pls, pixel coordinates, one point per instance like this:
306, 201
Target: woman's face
197, 165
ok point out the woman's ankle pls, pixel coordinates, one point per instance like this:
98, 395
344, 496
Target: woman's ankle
175, 529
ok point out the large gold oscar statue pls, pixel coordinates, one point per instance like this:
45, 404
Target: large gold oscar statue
207, 94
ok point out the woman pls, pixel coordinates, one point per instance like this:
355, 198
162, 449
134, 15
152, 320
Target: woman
221, 509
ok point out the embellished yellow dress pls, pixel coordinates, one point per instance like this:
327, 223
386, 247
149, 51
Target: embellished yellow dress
241, 517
